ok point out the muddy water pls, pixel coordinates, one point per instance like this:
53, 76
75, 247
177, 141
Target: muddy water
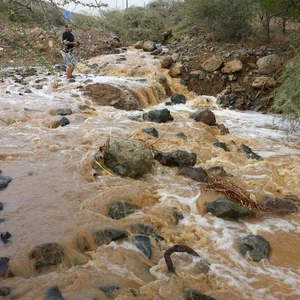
57, 196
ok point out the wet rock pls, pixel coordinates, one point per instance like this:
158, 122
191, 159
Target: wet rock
4, 291
28, 91
5, 236
104, 94
47, 255
63, 121
1, 206
222, 146
128, 158
166, 62
85, 107
178, 158
223, 130
249, 153
178, 99
149, 46
181, 135
2, 221
175, 71
61, 112
143, 243
120, 210
232, 67
4, 181
158, 116
152, 131
164, 82
139, 45
109, 289
224, 208
193, 295
145, 229
268, 64
212, 64
3, 267
197, 174
104, 237
217, 171
255, 245
53, 293
205, 116
178, 215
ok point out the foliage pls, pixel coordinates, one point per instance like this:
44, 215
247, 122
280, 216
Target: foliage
287, 95
226, 19
135, 23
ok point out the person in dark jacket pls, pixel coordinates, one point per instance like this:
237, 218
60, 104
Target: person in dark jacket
68, 45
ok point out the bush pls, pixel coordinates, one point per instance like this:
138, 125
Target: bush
287, 95
227, 19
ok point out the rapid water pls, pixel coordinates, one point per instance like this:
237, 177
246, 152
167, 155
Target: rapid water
56, 197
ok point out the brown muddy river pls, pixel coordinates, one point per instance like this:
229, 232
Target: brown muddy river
57, 197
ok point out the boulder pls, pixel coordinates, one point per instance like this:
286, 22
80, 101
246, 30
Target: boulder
158, 116
152, 131
222, 146
197, 174
149, 46
193, 295
120, 210
178, 99
139, 45
47, 255
212, 64
178, 158
166, 62
249, 153
225, 208
53, 293
4, 181
255, 245
143, 243
264, 82
128, 158
175, 71
232, 67
108, 95
268, 64
205, 116
105, 237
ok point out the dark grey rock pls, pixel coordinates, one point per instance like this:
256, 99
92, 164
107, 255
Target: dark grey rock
143, 243
249, 153
224, 208
4, 181
47, 255
205, 116
193, 295
197, 174
3, 266
1, 206
5, 236
217, 171
255, 245
145, 229
109, 289
53, 293
158, 116
178, 99
178, 158
128, 158
104, 237
222, 146
120, 210
4, 291
181, 135
152, 131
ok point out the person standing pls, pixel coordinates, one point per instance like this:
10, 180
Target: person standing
68, 44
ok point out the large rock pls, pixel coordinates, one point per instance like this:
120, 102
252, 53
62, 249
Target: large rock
139, 45
149, 46
232, 67
175, 71
178, 158
256, 246
104, 237
119, 210
143, 243
108, 95
264, 82
4, 181
224, 208
158, 116
197, 174
166, 62
47, 255
178, 99
128, 158
204, 115
212, 64
268, 64
249, 153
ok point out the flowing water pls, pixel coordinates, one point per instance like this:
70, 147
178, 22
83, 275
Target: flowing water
56, 195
